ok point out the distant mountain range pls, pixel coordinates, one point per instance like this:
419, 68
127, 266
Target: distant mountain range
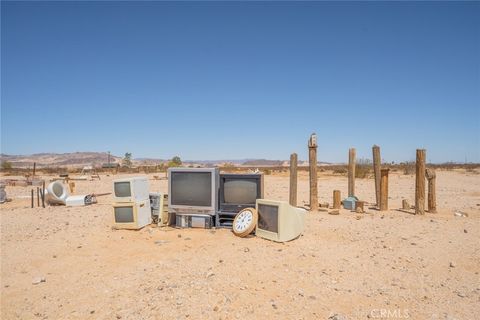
80, 159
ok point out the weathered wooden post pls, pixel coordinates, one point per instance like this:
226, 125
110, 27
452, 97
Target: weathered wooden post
384, 189
38, 197
34, 167
351, 172
312, 158
336, 199
432, 200
405, 205
420, 182
71, 186
32, 197
376, 172
293, 179
43, 194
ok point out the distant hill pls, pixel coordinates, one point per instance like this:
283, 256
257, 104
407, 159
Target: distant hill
74, 159
263, 162
80, 159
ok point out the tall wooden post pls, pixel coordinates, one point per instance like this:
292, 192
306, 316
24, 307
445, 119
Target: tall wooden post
383, 206
34, 167
351, 172
432, 199
420, 182
376, 172
38, 197
43, 194
336, 199
293, 179
312, 158
32, 197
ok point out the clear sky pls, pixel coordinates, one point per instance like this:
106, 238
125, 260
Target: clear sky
235, 80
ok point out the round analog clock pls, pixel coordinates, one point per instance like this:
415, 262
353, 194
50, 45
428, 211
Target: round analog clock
245, 221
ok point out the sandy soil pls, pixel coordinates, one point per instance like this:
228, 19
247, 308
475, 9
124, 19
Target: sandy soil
384, 265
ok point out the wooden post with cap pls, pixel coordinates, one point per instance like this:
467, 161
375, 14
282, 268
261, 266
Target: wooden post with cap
312, 158
351, 172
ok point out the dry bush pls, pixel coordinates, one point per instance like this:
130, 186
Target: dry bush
408, 168
363, 171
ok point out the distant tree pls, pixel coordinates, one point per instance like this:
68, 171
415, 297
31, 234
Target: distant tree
6, 165
175, 162
127, 160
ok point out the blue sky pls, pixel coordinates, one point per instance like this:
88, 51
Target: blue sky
235, 80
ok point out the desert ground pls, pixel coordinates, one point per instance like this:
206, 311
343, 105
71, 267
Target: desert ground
377, 265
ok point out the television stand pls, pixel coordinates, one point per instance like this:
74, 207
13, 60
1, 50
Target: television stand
225, 219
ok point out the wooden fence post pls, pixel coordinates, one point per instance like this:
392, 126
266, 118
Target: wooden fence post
432, 199
384, 189
293, 179
336, 199
312, 158
43, 194
376, 172
32, 197
351, 172
420, 182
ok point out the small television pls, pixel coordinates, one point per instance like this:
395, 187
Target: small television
237, 192
193, 190
279, 221
132, 215
130, 189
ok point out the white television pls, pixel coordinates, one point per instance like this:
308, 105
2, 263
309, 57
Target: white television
278, 220
130, 189
132, 215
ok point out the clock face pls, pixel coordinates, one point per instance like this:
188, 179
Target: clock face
244, 220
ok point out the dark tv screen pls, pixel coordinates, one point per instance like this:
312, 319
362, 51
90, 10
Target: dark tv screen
237, 191
122, 189
191, 189
124, 214
268, 218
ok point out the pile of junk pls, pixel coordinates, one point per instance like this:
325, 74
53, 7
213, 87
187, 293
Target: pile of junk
56, 193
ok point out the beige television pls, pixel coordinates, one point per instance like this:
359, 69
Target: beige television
131, 215
278, 220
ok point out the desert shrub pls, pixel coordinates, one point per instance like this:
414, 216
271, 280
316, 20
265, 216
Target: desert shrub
362, 171
408, 168
267, 172
341, 171
6, 165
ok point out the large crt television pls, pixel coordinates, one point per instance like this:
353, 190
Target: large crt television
130, 189
193, 190
279, 221
131, 215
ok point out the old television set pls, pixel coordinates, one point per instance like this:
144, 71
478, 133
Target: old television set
132, 215
237, 192
279, 221
193, 190
130, 189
